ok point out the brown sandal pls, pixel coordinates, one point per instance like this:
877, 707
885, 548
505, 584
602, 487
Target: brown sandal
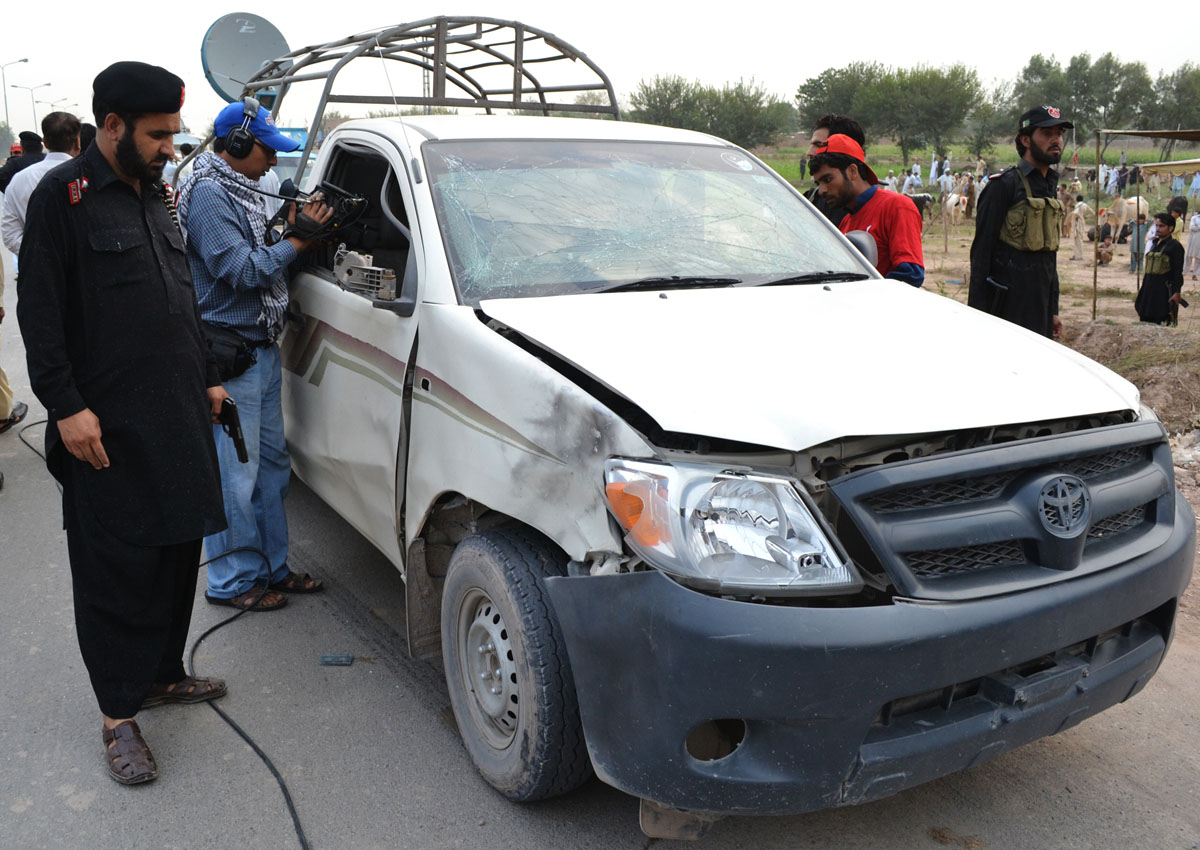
130, 761
298, 583
254, 599
187, 690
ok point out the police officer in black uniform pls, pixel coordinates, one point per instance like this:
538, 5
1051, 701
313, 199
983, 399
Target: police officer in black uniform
31, 152
115, 353
1014, 258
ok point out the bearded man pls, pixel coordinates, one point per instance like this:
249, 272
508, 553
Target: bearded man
115, 353
844, 180
1014, 257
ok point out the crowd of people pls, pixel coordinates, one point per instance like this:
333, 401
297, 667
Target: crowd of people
146, 317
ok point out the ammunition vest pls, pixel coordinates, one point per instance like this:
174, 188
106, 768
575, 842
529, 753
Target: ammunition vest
1032, 224
1158, 263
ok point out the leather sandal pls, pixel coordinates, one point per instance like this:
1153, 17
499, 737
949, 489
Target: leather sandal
130, 761
256, 598
190, 689
297, 583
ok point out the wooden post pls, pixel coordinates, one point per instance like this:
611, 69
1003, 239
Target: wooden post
1096, 241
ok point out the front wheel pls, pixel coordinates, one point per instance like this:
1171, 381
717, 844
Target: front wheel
506, 666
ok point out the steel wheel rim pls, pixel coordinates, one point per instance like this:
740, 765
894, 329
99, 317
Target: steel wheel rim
487, 667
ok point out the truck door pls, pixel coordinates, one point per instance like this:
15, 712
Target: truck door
345, 359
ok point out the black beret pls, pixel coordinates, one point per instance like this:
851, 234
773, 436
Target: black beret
135, 87
30, 140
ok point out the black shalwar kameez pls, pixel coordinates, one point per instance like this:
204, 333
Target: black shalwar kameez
1025, 288
1153, 303
110, 323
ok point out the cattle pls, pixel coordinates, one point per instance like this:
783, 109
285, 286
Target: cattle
954, 207
924, 201
1124, 209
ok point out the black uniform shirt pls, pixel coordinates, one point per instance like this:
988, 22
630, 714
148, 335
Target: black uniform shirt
110, 322
17, 164
1031, 276
1153, 302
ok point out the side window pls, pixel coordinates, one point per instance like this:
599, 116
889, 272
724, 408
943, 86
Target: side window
382, 232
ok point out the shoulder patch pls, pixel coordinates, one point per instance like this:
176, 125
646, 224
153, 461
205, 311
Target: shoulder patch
76, 189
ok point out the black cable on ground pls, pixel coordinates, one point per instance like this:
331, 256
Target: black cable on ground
191, 663
32, 447
191, 671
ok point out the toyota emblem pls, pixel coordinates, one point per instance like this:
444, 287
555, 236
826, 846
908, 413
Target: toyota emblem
1065, 507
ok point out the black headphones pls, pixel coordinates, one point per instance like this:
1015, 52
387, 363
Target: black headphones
239, 141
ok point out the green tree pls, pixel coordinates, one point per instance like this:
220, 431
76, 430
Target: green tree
990, 121
6, 139
742, 112
919, 106
1176, 101
1041, 81
837, 91
670, 101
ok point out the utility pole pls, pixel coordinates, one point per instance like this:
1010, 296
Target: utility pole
31, 90
4, 83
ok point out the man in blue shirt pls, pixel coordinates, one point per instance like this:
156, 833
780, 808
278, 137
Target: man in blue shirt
242, 287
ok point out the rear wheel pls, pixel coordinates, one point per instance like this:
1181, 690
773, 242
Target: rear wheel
506, 665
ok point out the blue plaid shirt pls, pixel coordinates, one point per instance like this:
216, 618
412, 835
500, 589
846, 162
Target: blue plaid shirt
232, 278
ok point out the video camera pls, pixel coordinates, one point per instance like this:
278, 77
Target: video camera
347, 208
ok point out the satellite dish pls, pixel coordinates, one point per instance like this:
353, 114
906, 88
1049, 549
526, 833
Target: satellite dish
234, 49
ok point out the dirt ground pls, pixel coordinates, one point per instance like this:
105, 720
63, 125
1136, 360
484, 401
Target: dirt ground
1163, 362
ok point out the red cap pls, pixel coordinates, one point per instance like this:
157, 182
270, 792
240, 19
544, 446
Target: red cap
15, 150
841, 143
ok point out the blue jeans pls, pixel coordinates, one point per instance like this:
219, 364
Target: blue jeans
253, 491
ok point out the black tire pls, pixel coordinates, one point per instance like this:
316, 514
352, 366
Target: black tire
521, 728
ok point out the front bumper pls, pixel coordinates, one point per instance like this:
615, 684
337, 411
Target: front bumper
847, 705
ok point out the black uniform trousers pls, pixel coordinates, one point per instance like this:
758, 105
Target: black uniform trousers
133, 604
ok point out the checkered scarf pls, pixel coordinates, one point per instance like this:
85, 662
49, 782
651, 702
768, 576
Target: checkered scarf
209, 166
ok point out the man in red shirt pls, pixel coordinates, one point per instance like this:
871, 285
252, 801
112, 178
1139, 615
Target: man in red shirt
844, 178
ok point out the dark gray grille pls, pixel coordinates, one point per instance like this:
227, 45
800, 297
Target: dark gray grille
934, 495
966, 559
965, 490
1117, 524
1099, 464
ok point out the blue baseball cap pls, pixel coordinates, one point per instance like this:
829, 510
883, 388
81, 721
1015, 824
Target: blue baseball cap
262, 127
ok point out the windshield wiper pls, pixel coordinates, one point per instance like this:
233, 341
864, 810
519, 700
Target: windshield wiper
671, 282
814, 277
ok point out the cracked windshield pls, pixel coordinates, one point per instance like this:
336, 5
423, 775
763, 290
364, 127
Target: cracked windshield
526, 218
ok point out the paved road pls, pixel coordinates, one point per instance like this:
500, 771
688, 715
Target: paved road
373, 761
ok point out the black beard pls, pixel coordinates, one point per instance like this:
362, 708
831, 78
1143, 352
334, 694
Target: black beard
131, 161
1039, 155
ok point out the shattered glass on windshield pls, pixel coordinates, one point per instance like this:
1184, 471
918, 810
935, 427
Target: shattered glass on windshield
525, 217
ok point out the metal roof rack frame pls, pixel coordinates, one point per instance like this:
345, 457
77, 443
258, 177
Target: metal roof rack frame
460, 54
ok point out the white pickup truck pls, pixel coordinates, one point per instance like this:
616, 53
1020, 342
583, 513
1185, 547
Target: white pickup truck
690, 497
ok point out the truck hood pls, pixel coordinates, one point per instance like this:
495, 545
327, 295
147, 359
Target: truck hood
793, 366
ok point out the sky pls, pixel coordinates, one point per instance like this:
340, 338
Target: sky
777, 44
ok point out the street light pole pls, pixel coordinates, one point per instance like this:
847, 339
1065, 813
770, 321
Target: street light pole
4, 83
31, 90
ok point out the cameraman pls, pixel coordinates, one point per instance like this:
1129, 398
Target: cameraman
242, 286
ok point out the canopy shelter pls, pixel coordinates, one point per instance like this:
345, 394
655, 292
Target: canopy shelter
1186, 165
1179, 166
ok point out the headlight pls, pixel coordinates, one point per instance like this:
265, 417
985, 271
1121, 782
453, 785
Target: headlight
1146, 413
725, 531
